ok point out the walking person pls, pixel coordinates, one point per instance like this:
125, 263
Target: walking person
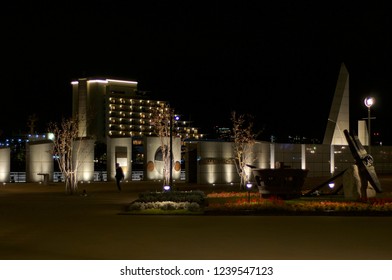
119, 176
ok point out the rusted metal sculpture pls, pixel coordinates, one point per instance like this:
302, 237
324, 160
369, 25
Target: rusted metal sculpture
364, 161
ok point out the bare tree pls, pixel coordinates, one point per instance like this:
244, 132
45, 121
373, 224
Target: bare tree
244, 140
66, 147
161, 119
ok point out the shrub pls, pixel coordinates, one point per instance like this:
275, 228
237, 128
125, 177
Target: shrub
192, 201
175, 196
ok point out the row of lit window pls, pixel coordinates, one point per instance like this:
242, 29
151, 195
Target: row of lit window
121, 100
127, 120
124, 114
128, 133
149, 133
114, 120
127, 127
122, 128
145, 128
120, 115
131, 108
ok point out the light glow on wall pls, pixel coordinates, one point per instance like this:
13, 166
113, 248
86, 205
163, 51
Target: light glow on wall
272, 156
228, 173
5, 157
332, 160
98, 81
303, 156
106, 81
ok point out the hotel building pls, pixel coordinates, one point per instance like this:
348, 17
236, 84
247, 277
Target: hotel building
116, 108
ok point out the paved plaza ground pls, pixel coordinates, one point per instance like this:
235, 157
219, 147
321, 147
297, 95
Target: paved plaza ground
40, 222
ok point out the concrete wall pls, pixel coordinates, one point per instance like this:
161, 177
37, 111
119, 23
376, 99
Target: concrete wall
39, 160
5, 166
153, 164
213, 163
84, 157
216, 165
119, 150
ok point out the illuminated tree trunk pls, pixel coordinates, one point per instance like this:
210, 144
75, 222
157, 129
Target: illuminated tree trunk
162, 118
65, 147
244, 140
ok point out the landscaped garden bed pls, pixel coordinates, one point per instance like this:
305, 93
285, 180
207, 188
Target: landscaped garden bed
242, 203
250, 203
171, 202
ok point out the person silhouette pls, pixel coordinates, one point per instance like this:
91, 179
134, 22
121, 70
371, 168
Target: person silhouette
119, 176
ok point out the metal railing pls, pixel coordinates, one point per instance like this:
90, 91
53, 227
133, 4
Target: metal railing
99, 176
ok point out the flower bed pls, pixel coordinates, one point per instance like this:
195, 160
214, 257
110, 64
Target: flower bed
251, 203
244, 203
173, 202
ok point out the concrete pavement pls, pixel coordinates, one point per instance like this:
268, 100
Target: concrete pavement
40, 222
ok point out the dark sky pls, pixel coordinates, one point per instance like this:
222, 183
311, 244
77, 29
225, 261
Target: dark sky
278, 62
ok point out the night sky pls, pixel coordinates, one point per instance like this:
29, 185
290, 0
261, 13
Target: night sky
276, 62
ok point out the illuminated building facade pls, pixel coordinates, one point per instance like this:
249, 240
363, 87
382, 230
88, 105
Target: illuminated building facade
115, 112
116, 108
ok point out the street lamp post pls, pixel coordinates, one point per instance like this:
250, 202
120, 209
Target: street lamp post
172, 119
170, 151
369, 101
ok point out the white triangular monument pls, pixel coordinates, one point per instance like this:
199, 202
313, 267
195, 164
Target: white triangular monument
339, 117
363, 132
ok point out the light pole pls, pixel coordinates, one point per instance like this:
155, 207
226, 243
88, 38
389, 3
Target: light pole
172, 119
369, 101
170, 150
